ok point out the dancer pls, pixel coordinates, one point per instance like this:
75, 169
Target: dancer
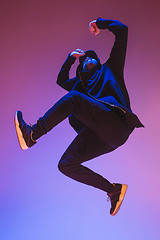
98, 108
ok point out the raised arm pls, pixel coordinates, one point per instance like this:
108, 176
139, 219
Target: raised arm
118, 53
63, 76
63, 79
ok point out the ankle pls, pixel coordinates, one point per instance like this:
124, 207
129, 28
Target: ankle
112, 188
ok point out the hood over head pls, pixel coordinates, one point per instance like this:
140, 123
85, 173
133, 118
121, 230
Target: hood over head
89, 53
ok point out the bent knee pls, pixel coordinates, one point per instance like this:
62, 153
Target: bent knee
76, 95
64, 167
60, 166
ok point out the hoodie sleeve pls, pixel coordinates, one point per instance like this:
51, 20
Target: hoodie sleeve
63, 76
118, 53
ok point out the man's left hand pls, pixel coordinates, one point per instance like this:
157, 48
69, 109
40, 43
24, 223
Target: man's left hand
93, 28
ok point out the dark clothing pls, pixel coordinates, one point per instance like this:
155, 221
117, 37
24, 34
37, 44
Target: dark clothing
105, 83
98, 108
104, 131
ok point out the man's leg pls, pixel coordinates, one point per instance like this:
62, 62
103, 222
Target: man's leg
88, 145
72, 103
83, 107
96, 116
107, 126
93, 114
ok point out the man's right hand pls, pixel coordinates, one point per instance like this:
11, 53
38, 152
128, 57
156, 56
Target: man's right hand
77, 53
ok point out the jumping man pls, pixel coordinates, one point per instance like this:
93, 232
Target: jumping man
98, 107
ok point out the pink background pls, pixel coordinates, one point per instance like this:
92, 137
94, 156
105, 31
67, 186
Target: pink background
36, 201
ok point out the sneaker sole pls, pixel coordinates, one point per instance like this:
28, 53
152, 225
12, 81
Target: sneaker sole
21, 140
121, 197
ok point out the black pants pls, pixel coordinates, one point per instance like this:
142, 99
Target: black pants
104, 131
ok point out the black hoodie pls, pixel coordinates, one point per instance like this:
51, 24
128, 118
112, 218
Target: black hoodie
105, 83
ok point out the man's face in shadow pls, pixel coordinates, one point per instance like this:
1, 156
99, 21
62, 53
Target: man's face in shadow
89, 63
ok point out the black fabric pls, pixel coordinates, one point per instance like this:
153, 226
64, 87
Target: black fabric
104, 131
106, 82
98, 108
85, 146
89, 53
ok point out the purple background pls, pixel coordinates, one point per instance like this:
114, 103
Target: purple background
36, 201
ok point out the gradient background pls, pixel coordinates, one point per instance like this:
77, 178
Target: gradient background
36, 201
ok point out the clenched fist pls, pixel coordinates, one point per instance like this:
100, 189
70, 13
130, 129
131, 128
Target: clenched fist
77, 53
93, 28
